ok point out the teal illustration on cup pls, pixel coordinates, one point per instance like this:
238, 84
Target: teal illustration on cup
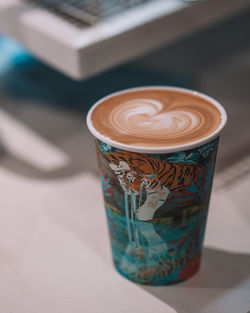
157, 201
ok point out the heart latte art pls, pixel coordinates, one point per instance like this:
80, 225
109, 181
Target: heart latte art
155, 117
147, 116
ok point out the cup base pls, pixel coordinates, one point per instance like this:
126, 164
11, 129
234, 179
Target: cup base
148, 276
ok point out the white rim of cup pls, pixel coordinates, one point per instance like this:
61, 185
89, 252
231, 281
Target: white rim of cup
161, 150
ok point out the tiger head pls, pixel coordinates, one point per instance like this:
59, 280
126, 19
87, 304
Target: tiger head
129, 178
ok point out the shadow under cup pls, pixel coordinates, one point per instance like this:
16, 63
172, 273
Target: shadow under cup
157, 207
157, 203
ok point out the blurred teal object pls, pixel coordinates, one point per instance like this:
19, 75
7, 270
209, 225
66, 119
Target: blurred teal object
11, 54
24, 77
27, 78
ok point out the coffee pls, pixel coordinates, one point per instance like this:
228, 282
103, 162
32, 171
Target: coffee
156, 117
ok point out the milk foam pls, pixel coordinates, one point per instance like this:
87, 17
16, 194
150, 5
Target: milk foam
155, 117
141, 116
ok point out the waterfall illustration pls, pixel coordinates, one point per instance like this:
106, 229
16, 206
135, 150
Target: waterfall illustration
145, 247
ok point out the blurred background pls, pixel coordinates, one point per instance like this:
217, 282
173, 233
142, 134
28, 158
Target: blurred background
56, 59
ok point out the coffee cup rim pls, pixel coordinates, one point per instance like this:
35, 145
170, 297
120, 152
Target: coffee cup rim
160, 150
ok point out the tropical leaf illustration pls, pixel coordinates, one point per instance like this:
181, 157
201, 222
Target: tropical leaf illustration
183, 157
200, 188
106, 186
105, 147
207, 149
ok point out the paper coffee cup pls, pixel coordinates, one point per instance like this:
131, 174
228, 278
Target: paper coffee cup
157, 201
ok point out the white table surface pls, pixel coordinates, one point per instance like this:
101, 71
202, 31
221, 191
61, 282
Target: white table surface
54, 246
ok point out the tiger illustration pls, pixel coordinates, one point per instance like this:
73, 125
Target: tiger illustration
136, 171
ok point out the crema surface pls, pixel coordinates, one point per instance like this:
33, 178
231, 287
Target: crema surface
155, 117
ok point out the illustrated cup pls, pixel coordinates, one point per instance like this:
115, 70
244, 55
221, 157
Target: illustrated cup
156, 201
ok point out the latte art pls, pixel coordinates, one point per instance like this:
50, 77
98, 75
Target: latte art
155, 117
148, 116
